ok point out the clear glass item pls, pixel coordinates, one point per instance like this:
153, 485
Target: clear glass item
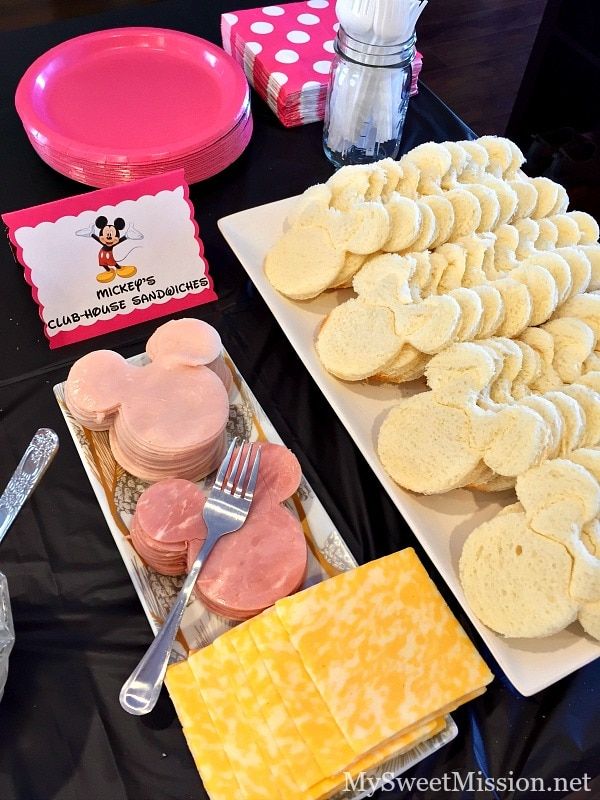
367, 100
7, 633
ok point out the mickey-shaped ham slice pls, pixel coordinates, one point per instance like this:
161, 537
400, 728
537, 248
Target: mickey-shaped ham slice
248, 570
166, 418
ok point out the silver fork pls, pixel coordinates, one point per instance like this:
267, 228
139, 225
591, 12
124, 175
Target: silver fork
225, 511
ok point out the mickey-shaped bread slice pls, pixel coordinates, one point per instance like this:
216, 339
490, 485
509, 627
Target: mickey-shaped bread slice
589, 401
477, 161
580, 266
573, 343
432, 160
405, 223
443, 210
560, 497
459, 374
427, 231
547, 235
517, 305
459, 160
489, 204
553, 419
526, 197
547, 197
588, 227
500, 154
592, 253
408, 184
352, 263
493, 311
528, 230
557, 267
562, 201
573, 420
567, 229
304, 262
452, 276
246, 572
510, 353
504, 569
358, 340
467, 212
585, 307
513, 439
425, 446
408, 365
507, 198
542, 290
311, 205
531, 369
471, 312
553, 482
142, 406
543, 343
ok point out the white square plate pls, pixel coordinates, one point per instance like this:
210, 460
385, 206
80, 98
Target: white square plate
441, 523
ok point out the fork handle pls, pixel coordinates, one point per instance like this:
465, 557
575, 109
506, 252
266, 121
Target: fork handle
141, 690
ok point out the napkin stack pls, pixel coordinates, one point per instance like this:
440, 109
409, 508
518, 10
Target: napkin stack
286, 52
336, 679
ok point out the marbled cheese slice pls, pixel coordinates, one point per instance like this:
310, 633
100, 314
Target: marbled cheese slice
382, 648
301, 762
249, 705
300, 696
286, 733
211, 671
218, 777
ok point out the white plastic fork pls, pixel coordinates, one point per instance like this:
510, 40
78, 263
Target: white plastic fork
225, 511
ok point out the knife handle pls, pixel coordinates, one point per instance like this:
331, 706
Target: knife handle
36, 460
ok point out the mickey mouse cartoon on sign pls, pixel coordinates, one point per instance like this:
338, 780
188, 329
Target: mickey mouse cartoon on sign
109, 236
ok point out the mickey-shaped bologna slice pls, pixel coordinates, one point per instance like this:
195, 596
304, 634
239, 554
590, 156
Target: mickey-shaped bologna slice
248, 570
166, 418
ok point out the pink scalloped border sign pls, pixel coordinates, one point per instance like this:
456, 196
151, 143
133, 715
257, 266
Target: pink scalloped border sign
108, 259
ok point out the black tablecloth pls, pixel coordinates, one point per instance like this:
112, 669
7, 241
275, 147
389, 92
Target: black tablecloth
80, 627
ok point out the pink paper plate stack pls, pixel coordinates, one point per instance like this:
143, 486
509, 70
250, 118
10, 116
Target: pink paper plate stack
286, 52
127, 103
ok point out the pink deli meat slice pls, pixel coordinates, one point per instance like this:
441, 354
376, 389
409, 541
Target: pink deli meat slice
251, 569
170, 512
96, 386
175, 412
188, 341
248, 570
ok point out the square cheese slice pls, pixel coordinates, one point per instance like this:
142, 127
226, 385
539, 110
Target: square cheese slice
211, 671
249, 706
296, 753
299, 695
203, 741
383, 648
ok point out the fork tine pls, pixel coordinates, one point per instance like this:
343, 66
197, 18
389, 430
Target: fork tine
231, 480
225, 464
249, 493
239, 488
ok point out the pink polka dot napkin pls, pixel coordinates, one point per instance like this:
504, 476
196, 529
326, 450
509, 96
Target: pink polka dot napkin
286, 52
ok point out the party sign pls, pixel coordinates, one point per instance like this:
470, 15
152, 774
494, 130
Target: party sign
112, 258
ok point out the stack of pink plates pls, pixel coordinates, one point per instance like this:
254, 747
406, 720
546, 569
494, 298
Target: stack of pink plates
127, 103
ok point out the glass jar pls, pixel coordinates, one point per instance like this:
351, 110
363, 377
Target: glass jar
367, 99
7, 633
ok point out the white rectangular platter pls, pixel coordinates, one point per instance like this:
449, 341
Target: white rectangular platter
117, 493
441, 523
